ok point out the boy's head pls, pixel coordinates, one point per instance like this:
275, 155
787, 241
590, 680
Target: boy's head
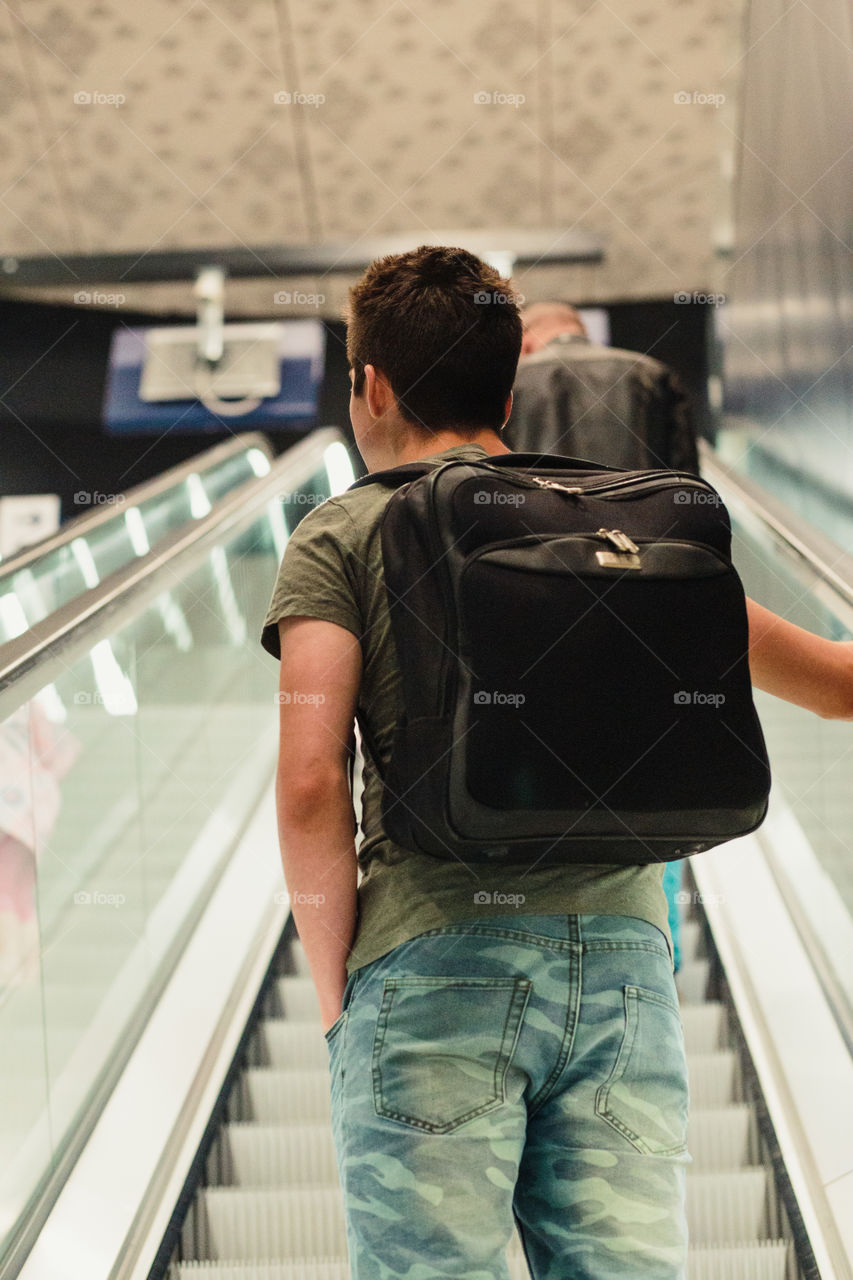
444, 329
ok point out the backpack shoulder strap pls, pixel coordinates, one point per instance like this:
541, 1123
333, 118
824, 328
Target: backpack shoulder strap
394, 477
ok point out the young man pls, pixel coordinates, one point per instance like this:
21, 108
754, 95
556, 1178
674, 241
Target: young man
476, 1047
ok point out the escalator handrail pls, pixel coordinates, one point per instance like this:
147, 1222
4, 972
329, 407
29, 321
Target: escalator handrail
823, 557
83, 525
25, 654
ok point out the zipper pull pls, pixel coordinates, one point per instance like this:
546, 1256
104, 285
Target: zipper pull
554, 484
620, 540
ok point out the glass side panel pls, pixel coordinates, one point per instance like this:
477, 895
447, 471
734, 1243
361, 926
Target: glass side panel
46, 584
128, 779
812, 799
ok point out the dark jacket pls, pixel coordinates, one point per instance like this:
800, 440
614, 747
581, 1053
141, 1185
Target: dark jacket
620, 408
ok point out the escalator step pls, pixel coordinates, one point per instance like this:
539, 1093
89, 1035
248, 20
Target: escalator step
705, 1027
268, 1155
764, 1261
281, 1097
286, 1042
714, 1079
264, 1224
692, 981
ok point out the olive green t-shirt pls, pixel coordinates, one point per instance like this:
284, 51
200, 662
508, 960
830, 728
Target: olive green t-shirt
332, 569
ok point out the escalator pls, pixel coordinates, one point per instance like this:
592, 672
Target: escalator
271, 1208
173, 1016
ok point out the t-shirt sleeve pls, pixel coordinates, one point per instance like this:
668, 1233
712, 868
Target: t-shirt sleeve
315, 578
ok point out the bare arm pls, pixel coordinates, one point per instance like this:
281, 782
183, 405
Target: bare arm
320, 677
800, 667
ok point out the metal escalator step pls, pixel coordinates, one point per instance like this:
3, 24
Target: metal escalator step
691, 936
286, 1042
302, 1269
763, 1260
281, 1097
692, 981
264, 1224
297, 999
766, 1260
283, 1042
260, 1155
723, 1208
705, 1027
721, 1138
268, 1155
753, 1260
714, 1079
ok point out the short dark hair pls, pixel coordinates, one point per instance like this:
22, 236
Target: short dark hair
445, 329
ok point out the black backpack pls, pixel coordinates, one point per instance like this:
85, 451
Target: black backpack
573, 647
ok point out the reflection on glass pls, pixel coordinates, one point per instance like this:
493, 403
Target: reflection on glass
127, 780
810, 758
62, 574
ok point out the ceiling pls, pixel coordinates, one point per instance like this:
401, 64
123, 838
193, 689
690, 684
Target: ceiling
166, 125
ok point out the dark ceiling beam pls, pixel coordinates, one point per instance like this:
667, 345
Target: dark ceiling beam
529, 248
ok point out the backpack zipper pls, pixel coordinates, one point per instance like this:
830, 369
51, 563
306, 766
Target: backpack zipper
629, 482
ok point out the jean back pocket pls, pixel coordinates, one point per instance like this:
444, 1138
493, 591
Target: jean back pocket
646, 1095
442, 1048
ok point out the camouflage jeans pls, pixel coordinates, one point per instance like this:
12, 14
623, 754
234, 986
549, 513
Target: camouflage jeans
524, 1070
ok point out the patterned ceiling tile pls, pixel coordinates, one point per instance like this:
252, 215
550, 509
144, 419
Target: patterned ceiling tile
250, 121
